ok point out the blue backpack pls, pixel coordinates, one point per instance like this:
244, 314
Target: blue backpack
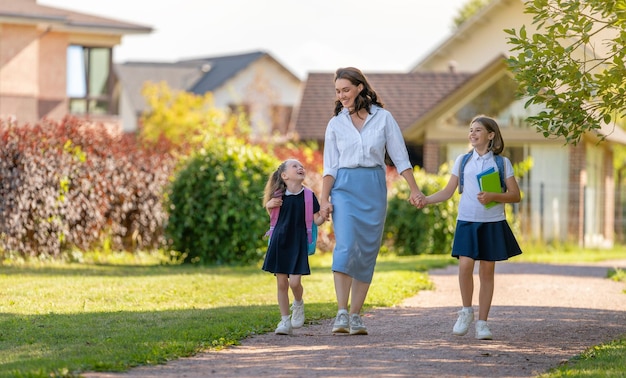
499, 164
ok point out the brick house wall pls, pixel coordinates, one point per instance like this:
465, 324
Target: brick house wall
431, 156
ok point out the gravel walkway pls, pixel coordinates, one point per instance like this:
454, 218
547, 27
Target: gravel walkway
542, 315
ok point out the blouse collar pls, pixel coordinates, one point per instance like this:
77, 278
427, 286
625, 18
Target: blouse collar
288, 193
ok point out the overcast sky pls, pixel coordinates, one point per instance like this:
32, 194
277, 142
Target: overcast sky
304, 36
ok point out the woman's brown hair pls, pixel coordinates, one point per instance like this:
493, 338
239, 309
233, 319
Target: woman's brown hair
366, 98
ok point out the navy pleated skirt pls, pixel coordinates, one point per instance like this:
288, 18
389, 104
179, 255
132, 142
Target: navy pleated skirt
359, 198
490, 241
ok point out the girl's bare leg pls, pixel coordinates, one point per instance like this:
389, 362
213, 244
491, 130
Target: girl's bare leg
486, 273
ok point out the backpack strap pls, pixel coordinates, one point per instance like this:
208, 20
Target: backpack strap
499, 164
274, 214
462, 170
308, 213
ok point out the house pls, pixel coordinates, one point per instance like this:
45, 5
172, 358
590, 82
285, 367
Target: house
55, 62
253, 82
569, 192
408, 96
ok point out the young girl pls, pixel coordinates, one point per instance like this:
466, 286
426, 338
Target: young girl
482, 233
287, 255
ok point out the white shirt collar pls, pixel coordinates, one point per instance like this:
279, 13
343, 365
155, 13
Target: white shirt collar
288, 193
488, 155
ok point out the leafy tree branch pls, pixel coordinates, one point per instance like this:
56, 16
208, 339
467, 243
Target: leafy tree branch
573, 66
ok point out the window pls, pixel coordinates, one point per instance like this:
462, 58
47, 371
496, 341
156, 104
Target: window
492, 102
89, 80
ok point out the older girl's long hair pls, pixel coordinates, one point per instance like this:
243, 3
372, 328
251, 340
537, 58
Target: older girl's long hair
497, 143
366, 98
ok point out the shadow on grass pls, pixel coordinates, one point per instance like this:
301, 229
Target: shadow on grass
36, 345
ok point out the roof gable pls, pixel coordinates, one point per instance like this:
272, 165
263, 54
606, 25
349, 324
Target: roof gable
198, 76
219, 69
134, 75
408, 96
29, 12
479, 39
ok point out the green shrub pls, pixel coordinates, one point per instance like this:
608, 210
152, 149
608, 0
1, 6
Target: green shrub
215, 206
409, 231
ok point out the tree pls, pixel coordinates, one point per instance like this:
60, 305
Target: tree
184, 118
468, 10
573, 66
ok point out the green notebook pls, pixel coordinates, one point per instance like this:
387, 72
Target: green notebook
490, 182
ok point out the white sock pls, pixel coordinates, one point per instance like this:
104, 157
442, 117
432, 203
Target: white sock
468, 309
299, 303
342, 311
284, 317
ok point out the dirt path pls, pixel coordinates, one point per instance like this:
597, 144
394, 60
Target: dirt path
541, 316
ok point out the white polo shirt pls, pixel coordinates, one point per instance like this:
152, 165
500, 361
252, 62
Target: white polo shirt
469, 208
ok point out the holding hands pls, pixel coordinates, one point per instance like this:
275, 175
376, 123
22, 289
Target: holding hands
417, 199
326, 209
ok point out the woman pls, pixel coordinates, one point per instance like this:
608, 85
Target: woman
354, 189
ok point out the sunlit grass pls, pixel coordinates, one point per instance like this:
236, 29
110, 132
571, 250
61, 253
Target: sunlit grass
605, 360
58, 319
113, 312
561, 254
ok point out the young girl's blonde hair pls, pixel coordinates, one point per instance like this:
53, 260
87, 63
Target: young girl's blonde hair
275, 186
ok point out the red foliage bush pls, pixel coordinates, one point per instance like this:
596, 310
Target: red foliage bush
72, 184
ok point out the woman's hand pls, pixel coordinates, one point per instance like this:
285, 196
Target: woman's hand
327, 208
417, 199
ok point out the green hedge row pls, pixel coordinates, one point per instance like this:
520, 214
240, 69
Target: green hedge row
215, 204
72, 185
409, 231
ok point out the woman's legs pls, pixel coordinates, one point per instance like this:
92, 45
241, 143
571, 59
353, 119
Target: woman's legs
359, 292
342, 289
346, 286
486, 273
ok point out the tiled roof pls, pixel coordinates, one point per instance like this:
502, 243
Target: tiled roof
220, 68
408, 96
134, 76
28, 11
199, 76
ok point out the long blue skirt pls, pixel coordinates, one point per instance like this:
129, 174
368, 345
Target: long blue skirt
359, 198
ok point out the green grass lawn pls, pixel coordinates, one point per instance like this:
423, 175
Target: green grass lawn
59, 319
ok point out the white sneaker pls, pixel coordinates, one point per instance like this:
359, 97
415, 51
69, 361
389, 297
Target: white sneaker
341, 323
284, 328
466, 317
482, 331
356, 325
297, 315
